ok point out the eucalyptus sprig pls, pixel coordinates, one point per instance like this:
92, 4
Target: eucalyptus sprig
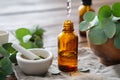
30, 38
8, 56
103, 26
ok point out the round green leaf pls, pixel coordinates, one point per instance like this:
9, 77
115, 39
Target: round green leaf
89, 16
117, 37
104, 12
109, 28
27, 45
116, 9
97, 36
21, 32
84, 26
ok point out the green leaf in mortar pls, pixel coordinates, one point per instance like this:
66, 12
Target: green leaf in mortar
97, 36
27, 45
104, 12
116, 9
39, 31
21, 32
39, 42
89, 16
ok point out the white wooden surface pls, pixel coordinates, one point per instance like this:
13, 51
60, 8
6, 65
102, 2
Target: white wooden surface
49, 14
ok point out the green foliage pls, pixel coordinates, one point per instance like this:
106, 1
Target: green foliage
9, 53
93, 35
20, 33
104, 12
109, 28
104, 26
86, 26
9, 48
89, 16
4, 52
117, 37
6, 66
5, 62
116, 9
33, 38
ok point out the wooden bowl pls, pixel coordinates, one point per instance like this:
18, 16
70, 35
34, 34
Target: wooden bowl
108, 54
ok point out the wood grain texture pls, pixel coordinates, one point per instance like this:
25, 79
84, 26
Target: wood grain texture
49, 14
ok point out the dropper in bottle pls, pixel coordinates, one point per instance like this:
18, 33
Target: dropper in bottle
68, 8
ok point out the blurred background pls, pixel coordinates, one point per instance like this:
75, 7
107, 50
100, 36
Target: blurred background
48, 14
26, 13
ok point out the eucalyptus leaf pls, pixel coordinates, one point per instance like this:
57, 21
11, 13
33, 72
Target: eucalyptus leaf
27, 45
89, 16
6, 66
104, 12
97, 36
94, 22
28, 38
2, 76
84, 26
117, 37
4, 52
8, 47
84, 70
55, 71
116, 9
109, 28
39, 42
21, 32
39, 31
13, 58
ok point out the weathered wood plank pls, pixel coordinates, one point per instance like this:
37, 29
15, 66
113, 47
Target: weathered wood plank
49, 14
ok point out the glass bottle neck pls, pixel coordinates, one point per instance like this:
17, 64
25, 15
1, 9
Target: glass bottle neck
68, 26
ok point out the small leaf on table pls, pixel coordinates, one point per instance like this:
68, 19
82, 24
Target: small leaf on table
84, 70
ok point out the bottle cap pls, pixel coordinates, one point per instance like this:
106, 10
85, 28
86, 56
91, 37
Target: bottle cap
86, 2
68, 25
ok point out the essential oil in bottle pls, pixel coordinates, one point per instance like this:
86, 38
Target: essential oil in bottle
68, 48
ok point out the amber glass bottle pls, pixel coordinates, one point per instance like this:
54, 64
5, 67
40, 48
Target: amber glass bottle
67, 48
85, 7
